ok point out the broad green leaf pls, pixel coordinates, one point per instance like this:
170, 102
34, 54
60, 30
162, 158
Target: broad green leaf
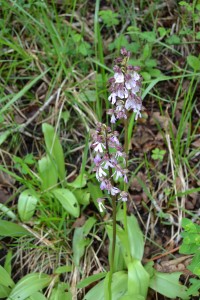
149, 268
138, 279
119, 288
85, 282
29, 285
133, 297
68, 201
37, 296
168, 285
105, 286
4, 291
59, 292
120, 248
194, 62
5, 278
11, 229
47, 172
27, 204
88, 225
79, 182
54, 148
82, 196
78, 245
136, 240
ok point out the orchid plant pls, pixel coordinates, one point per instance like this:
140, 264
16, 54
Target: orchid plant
111, 160
111, 167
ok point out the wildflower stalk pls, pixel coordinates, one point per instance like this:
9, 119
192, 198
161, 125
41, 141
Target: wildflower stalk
111, 162
126, 150
114, 214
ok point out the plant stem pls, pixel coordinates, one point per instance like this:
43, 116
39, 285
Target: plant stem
114, 211
126, 145
113, 247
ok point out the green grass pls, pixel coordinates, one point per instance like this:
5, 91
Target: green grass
55, 60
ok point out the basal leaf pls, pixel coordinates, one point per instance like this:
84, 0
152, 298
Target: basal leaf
60, 292
5, 278
85, 282
11, 229
4, 291
79, 182
120, 248
138, 279
29, 285
136, 240
78, 245
119, 288
168, 285
54, 148
37, 296
27, 204
68, 201
47, 172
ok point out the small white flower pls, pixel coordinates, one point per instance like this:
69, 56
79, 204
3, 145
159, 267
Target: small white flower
135, 89
136, 76
100, 173
99, 147
100, 204
114, 190
123, 196
113, 98
119, 77
130, 84
113, 119
101, 207
107, 165
138, 114
129, 104
118, 174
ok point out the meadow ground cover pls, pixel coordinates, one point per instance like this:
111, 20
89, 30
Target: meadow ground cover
56, 61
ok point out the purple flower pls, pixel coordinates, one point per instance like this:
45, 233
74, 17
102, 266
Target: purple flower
113, 119
114, 139
97, 159
123, 196
114, 190
103, 185
107, 165
118, 75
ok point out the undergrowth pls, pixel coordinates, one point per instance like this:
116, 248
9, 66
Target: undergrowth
55, 61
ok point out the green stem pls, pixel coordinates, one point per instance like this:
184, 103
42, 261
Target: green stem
113, 247
126, 145
114, 211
